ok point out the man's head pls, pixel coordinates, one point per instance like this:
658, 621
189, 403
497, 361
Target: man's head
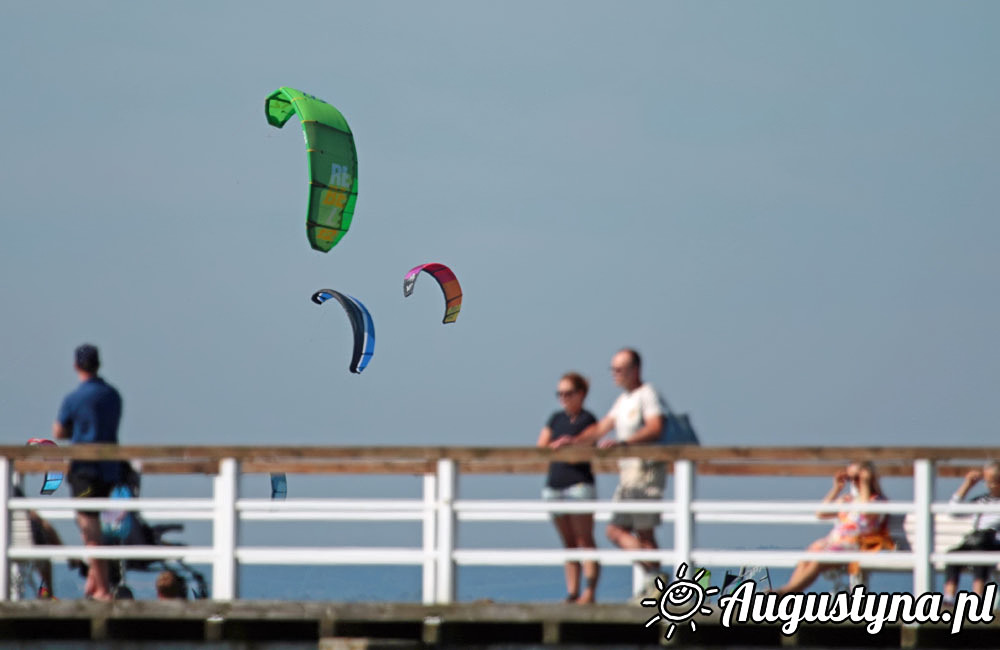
86, 359
626, 368
991, 476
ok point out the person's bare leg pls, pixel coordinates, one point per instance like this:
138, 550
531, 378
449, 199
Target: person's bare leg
626, 540
583, 529
49, 534
97, 575
622, 537
647, 540
978, 585
565, 527
797, 573
803, 576
803, 570
950, 587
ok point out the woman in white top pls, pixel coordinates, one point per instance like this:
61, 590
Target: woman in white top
984, 534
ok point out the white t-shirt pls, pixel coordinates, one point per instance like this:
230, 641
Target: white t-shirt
631, 411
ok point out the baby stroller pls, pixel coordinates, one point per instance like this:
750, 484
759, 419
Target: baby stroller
153, 536
28, 528
128, 528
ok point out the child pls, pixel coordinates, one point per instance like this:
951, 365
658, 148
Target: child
984, 534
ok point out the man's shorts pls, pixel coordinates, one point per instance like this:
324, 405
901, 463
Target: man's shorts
637, 520
575, 492
87, 485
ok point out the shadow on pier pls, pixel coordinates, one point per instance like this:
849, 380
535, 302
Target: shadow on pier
401, 626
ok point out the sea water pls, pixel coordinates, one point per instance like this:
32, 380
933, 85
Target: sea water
403, 583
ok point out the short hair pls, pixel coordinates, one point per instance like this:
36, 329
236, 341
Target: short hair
87, 358
636, 359
991, 466
579, 382
170, 585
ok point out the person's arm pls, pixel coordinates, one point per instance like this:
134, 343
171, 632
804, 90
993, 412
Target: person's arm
59, 432
595, 431
839, 479
650, 431
545, 437
971, 479
61, 429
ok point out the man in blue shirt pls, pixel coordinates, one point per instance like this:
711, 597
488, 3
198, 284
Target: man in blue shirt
90, 414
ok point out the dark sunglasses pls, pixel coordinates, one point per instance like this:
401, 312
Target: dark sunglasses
565, 393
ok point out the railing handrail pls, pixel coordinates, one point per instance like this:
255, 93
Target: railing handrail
310, 454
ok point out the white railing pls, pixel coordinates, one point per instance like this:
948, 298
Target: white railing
439, 510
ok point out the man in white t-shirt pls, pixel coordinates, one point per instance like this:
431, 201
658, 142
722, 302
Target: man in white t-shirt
637, 417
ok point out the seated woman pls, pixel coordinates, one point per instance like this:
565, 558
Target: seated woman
851, 527
984, 530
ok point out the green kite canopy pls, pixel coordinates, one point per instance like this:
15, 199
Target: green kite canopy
333, 163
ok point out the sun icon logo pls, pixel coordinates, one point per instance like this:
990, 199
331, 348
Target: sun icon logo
680, 600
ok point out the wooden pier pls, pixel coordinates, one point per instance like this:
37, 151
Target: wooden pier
356, 626
228, 622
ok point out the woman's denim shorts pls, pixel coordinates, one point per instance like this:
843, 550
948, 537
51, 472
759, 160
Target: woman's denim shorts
575, 492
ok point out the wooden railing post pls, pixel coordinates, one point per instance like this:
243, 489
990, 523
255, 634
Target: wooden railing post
683, 520
429, 578
923, 538
224, 530
4, 528
447, 481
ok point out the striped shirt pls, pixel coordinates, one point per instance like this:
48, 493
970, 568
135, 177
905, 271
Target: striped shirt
984, 520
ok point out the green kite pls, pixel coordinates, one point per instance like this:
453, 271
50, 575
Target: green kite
333, 163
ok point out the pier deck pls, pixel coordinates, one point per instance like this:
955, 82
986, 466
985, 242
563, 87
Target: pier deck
272, 624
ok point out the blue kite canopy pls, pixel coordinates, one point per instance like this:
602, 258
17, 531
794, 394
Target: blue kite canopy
52, 479
361, 322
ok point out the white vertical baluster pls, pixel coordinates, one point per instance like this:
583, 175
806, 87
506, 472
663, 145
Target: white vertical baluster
224, 528
638, 578
4, 529
923, 538
447, 487
430, 532
683, 521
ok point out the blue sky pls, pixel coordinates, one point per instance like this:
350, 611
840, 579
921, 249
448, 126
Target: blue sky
788, 208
